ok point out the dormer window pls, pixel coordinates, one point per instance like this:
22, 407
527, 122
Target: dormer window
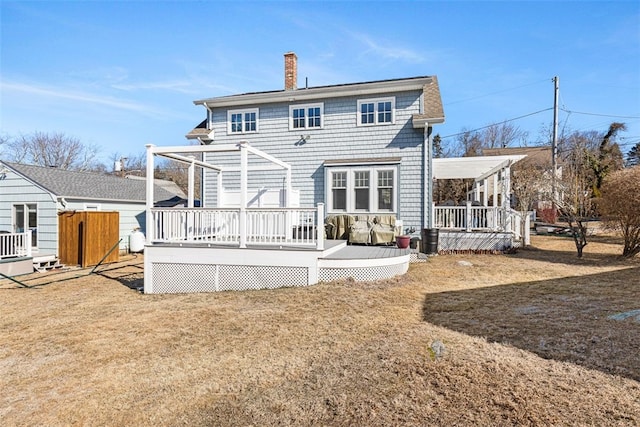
306, 116
242, 121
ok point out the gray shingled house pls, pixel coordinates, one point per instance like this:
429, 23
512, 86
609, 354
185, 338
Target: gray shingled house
32, 196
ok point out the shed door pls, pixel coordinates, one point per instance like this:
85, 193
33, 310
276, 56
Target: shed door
26, 218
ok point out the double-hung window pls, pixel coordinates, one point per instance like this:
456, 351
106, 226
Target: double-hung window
242, 121
376, 111
306, 116
362, 188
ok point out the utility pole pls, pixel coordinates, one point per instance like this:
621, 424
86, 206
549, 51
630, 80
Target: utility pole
554, 141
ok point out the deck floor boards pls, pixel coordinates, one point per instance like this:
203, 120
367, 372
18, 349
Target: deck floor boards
368, 252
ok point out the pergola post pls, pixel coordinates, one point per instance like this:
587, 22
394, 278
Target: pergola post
243, 193
192, 168
149, 196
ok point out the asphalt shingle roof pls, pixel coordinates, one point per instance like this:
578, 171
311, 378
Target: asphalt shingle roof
88, 185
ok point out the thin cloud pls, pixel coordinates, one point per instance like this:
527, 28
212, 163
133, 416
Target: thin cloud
386, 52
108, 101
180, 86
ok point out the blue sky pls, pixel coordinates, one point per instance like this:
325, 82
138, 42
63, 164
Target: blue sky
122, 74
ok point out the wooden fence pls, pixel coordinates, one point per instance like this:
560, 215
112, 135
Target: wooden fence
85, 238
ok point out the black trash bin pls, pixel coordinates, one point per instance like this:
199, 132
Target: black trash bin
429, 241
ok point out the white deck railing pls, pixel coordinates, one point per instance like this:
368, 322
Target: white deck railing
15, 244
256, 226
478, 218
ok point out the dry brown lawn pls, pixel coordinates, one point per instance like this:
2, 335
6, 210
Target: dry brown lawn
527, 341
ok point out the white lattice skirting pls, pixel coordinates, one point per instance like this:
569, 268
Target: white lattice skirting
180, 271
362, 274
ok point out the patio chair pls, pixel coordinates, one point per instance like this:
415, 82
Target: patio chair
360, 230
384, 230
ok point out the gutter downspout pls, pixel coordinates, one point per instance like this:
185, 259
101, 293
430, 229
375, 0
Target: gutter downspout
427, 161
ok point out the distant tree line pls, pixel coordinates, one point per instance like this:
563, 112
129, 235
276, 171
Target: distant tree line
58, 150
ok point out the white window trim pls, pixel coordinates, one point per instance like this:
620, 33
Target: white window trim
34, 245
92, 207
375, 102
373, 188
306, 107
243, 112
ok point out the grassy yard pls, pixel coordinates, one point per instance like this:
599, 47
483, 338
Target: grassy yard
527, 341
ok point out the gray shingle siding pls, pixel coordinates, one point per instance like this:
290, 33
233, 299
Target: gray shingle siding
340, 138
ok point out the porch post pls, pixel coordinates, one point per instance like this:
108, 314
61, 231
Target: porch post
220, 199
320, 227
27, 242
468, 216
149, 215
191, 183
287, 200
495, 190
243, 194
485, 193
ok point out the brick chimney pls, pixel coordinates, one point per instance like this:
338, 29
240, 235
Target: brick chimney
290, 71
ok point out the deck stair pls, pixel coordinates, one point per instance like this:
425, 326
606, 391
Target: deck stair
46, 263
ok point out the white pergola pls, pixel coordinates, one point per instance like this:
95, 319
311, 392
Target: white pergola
186, 155
481, 169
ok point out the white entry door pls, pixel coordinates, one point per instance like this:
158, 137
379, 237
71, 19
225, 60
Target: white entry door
26, 218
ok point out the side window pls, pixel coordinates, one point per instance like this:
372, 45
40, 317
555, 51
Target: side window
376, 111
242, 121
339, 191
306, 116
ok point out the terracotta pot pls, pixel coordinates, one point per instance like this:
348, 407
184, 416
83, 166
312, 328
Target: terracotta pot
402, 242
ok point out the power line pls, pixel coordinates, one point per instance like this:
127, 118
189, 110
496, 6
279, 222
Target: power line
600, 115
497, 123
493, 93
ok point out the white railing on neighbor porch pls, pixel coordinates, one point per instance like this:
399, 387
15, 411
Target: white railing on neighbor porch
478, 218
255, 226
15, 245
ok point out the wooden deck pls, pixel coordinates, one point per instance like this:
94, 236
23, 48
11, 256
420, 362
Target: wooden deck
367, 252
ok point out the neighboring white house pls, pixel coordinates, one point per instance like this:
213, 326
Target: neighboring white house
31, 197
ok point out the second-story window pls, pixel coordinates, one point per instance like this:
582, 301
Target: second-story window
242, 121
306, 116
376, 111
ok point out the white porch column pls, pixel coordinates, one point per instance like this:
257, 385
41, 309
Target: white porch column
495, 190
244, 163
191, 184
468, 216
506, 187
485, 193
149, 223
320, 227
220, 199
287, 200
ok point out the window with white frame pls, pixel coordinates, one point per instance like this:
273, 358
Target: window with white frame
306, 116
362, 188
339, 191
376, 111
242, 121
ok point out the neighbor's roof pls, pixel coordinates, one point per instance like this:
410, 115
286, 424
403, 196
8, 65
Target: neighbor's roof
88, 185
540, 154
471, 167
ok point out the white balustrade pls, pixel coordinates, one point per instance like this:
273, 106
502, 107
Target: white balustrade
477, 218
268, 226
15, 244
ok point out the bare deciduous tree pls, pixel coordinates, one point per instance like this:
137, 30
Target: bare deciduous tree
53, 150
620, 204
